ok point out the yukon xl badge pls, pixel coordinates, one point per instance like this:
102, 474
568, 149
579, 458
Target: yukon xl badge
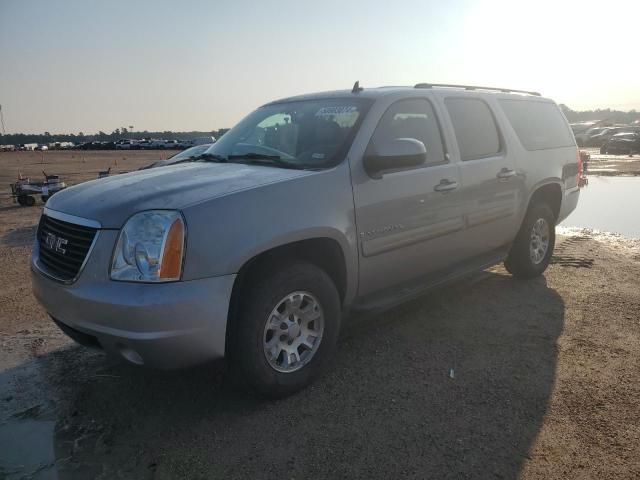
55, 243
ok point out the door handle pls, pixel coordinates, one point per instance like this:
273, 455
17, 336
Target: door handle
506, 173
445, 185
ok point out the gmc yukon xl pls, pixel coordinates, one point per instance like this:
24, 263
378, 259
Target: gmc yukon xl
309, 208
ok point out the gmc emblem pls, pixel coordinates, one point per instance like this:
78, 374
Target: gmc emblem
55, 243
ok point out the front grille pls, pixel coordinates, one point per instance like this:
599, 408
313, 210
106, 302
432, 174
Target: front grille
63, 247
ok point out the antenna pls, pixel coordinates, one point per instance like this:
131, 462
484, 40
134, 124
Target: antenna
356, 87
2, 121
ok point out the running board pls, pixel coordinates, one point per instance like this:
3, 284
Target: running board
390, 298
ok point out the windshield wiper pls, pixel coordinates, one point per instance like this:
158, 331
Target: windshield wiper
255, 157
206, 157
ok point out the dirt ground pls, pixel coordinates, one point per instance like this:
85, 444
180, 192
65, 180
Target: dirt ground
487, 378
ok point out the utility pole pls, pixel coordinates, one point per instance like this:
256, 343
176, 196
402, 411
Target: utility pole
2, 121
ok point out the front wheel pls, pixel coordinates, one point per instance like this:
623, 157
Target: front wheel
532, 249
286, 329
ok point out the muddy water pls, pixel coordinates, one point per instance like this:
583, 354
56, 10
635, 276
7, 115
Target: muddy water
609, 204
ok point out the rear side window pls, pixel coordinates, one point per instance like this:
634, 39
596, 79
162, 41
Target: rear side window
539, 125
474, 126
412, 118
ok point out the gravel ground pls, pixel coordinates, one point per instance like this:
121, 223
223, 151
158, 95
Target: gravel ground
486, 378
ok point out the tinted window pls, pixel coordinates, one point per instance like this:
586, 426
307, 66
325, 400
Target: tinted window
474, 126
539, 125
411, 118
313, 133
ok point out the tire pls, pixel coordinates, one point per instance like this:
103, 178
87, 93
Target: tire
22, 200
521, 261
248, 360
29, 201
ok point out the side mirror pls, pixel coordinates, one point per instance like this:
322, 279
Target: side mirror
395, 154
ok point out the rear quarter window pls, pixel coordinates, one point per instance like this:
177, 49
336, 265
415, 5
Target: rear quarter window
538, 125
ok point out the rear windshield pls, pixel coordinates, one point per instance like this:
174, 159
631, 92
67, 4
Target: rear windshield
539, 125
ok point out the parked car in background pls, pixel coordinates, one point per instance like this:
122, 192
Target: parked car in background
582, 126
627, 143
196, 141
127, 145
158, 144
584, 137
173, 144
182, 156
600, 138
310, 207
145, 144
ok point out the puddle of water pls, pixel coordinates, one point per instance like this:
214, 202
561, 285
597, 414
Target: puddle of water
609, 204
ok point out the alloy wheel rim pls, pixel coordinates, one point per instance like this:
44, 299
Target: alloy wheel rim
293, 332
539, 242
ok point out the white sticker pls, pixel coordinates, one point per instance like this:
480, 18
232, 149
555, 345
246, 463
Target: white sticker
339, 110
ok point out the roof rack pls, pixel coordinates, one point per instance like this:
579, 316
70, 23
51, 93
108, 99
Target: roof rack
474, 87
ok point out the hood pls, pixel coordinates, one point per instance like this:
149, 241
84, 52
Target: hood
112, 200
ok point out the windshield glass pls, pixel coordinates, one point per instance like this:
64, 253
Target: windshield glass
305, 134
190, 152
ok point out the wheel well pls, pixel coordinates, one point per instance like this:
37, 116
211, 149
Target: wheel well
551, 194
325, 253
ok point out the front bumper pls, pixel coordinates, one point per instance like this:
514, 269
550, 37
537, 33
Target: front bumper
168, 325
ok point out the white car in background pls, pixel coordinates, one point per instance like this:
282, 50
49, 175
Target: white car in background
156, 144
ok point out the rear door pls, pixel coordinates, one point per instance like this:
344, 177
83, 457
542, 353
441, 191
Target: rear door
490, 184
408, 221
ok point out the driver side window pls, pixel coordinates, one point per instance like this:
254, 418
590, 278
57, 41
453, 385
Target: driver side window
411, 118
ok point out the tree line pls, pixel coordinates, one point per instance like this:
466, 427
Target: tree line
117, 134
611, 116
604, 114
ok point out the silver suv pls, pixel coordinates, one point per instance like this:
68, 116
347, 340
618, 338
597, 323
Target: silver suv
310, 207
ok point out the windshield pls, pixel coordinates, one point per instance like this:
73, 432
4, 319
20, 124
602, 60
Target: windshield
180, 157
190, 152
304, 134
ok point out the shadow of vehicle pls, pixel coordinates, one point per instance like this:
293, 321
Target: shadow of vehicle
19, 237
453, 385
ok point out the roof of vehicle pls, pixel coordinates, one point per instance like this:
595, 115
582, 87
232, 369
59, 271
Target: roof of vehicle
377, 92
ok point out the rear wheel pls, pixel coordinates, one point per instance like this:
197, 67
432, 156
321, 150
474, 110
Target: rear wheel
286, 329
29, 201
532, 249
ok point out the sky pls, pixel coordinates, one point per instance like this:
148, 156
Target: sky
83, 65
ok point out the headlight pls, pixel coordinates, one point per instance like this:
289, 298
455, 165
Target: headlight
150, 248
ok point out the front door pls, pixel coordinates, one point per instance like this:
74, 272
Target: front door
409, 221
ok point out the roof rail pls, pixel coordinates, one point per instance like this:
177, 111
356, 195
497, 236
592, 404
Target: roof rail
474, 87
